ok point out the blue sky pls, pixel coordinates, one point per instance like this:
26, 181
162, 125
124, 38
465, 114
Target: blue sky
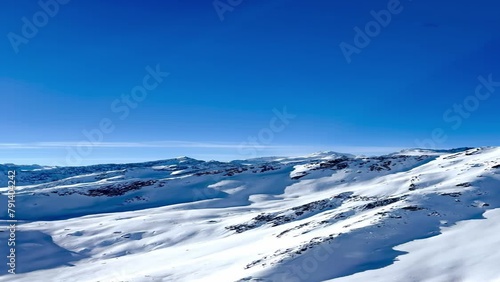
227, 78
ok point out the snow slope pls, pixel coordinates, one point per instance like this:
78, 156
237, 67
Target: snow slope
416, 215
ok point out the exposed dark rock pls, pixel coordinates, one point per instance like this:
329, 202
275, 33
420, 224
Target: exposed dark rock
413, 187
118, 189
265, 168
381, 203
235, 170
340, 163
386, 165
473, 151
208, 172
276, 219
412, 208
452, 194
297, 177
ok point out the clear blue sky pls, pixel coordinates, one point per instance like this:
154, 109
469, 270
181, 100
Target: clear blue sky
226, 77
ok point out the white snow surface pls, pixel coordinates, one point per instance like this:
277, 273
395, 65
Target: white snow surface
416, 215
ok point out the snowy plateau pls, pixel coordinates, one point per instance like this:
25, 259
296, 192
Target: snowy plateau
415, 215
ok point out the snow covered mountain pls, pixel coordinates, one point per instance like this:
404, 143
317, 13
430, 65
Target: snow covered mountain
416, 215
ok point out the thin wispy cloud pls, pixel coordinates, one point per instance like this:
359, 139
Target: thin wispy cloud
190, 144
367, 149
157, 144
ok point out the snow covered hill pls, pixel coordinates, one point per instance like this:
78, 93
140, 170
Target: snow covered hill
416, 215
